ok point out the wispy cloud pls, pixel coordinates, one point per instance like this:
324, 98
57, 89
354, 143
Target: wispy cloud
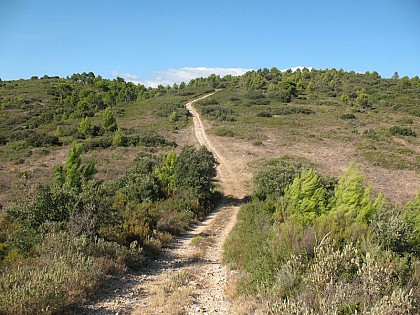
178, 75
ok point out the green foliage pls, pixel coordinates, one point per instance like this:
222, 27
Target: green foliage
402, 131
166, 172
352, 198
86, 128
304, 199
224, 132
249, 247
109, 122
218, 113
412, 219
391, 229
297, 257
72, 174
81, 210
273, 180
42, 140
195, 169
288, 110
347, 116
118, 139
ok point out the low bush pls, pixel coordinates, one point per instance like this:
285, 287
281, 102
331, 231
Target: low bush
272, 181
288, 110
219, 113
224, 132
96, 143
42, 140
264, 114
261, 101
347, 116
402, 131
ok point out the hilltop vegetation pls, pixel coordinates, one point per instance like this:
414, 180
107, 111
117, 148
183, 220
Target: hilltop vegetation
379, 117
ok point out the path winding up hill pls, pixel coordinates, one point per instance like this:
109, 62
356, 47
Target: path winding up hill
188, 277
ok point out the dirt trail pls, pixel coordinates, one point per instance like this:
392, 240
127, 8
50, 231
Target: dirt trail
186, 278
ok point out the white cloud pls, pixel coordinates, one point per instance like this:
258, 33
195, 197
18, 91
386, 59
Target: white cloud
178, 75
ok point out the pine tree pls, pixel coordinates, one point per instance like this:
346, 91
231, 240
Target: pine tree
166, 172
72, 173
304, 199
86, 128
118, 139
351, 197
109, 122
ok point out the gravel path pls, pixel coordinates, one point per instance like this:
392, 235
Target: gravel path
188, 277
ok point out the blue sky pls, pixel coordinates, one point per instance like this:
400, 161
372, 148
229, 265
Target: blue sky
167, 40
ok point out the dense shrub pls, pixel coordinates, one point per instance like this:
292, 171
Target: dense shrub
272, 181
42, 140
224, 132
165, 110
348, 116
195, 170
288, 110
254, 95
261, 101
219, 113
264, 114
96, 143
402, 131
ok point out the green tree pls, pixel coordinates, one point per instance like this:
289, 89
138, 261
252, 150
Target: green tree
166, 172
118, 139
363, 100
86, 128
304, 199
344, 98
174, 117
351, 197
72, 173
109, 122
196, 169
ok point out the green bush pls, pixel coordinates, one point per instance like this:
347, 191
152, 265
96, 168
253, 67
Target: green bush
224, 132
264, 114
249, 246
348, 116
42, 140
96, 143
272, 181
288, 110
402, 131
219, 113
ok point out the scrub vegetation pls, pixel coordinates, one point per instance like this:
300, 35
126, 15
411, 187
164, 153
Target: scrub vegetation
309, 244
96, 177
